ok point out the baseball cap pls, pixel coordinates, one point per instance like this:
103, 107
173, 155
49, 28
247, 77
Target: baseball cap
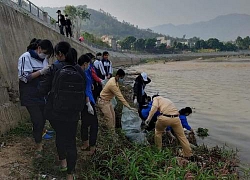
58, 11
144, 76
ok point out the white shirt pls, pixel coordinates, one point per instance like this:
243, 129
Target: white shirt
96, 63
28, 64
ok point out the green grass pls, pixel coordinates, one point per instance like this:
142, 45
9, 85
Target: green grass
120, 159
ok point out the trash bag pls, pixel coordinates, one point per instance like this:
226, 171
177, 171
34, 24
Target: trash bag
113, 102
131, 125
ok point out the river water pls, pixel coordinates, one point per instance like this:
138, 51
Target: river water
219, 92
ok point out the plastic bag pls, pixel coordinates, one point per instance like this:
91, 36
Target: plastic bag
113, 102
131, 125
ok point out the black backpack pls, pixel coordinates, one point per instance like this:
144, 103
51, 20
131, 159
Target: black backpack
68, 88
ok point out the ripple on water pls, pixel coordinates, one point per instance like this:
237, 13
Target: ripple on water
218, 90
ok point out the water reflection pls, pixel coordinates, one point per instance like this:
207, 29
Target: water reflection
219, 91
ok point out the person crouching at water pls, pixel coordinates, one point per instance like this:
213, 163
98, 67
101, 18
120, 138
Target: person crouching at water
184, 112
110, 90
169, 117
32, 66
89, 126
140, 95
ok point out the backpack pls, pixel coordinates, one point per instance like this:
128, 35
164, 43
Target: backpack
68, 88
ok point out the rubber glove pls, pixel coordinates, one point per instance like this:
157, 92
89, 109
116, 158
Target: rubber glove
135, 101
90, 108
44, 71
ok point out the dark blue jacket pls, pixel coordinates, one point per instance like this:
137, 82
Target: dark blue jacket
184, 123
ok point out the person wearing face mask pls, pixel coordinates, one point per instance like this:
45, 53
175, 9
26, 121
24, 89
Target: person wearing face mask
140, 95
97, 81
63, 122
105, 66
110, 90
32, 66
89, 126
97, 64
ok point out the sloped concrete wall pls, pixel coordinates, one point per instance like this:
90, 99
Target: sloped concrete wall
17, 29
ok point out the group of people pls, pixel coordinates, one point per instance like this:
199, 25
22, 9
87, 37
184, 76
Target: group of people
70, 89
161, 115
44, 91
64, 23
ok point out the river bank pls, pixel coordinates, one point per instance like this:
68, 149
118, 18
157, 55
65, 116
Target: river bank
115, 159
122, 159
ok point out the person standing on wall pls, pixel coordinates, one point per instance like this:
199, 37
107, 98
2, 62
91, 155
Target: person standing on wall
68, 25
61, 21
32, 66
106, 66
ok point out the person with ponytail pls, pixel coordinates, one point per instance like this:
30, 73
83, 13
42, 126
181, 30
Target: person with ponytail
64, 123
32, 66
89, 120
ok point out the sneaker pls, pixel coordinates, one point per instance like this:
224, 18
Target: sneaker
49, 132
47, 137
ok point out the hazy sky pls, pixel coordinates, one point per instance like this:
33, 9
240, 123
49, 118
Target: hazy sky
149, 13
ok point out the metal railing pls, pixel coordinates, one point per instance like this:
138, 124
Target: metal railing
36, 11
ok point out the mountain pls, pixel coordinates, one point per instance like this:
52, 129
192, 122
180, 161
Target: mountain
225, 28
103, 23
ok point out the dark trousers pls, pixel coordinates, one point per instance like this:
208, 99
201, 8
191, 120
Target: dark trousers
97, 90
61, 29
141, 104
38, 120
66, 142
68, 32
89, 126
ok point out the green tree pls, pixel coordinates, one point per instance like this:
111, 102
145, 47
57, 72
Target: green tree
77, 15
139, 44
93, 39
127, 42
230, 47
213, 43
246, 42
179, 46
150, 44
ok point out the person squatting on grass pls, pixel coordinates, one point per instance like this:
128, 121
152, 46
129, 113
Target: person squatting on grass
32, 66
64, 123
169, 117
184, 112
89, 120
110, 90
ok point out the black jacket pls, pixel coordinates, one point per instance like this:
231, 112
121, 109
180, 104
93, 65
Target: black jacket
45, 89
68, 23
61, 19
138, 86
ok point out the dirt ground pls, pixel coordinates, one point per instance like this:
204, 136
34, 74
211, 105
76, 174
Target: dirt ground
16, 159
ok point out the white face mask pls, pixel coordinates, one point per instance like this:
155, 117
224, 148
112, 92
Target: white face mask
121, 80
42, 55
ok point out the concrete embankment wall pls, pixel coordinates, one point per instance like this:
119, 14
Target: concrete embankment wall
18, 27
